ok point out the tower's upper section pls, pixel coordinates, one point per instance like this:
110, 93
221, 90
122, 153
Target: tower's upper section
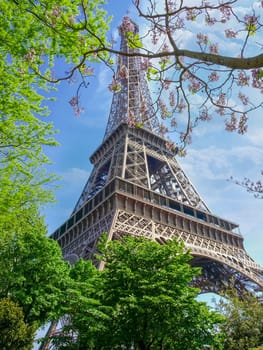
131, 103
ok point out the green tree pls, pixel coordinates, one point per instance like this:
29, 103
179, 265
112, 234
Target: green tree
85, 315
33, 274
146, 301
243, 326
43, 36
15, 334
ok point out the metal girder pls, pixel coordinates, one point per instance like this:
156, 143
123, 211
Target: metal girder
138, 161
133, 103
233, 260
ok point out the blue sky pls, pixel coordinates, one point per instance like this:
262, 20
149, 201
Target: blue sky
214, 156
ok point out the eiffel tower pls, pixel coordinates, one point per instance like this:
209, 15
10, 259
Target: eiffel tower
137, 187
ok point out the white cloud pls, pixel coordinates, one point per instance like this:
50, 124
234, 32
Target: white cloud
74, 178
104, 79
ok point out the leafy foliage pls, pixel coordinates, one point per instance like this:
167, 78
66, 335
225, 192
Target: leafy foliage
243, 326
33, 46
33, 274
14, 333
142, 299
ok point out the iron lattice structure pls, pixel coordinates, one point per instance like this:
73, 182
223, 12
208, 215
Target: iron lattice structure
137, 187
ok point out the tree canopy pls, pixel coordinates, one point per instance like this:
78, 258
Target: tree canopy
33, 274
15, 334
142, 299
243, 326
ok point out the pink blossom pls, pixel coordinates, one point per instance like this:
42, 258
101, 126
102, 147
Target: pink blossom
250, 19
226, 13
145, 64
234, 125
171, 99
170, 146
213, 49
155, 37
190, 15
244, 99
222, 99
179, 23
213, 76
31, 55
242, 125
231, 124
186, 137
131, 119
230, 33
89, 71
163, 129
74, 101
210, 20
173, 123
78, 111
181, 106
204, 116
123, 72
143, 107
243, 79
257, 76
164, 111
194, 86
202, 40
56, 12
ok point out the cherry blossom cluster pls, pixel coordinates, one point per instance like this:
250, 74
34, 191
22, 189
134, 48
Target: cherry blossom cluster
145, 64
213, 48
225, 13
163, 129
243, 79
131, 119
237, 125
74, 102
123, 72
257, 76
164, 110
191, 15
255, 187
56, 11
202, 40
221, 103
171, 146
173, 122
204, 115
155, 36
181, 106
243, 98
31, 55
194, 85
186, 138
88, 71
171, 99
213, 76
143, 107
230, 34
